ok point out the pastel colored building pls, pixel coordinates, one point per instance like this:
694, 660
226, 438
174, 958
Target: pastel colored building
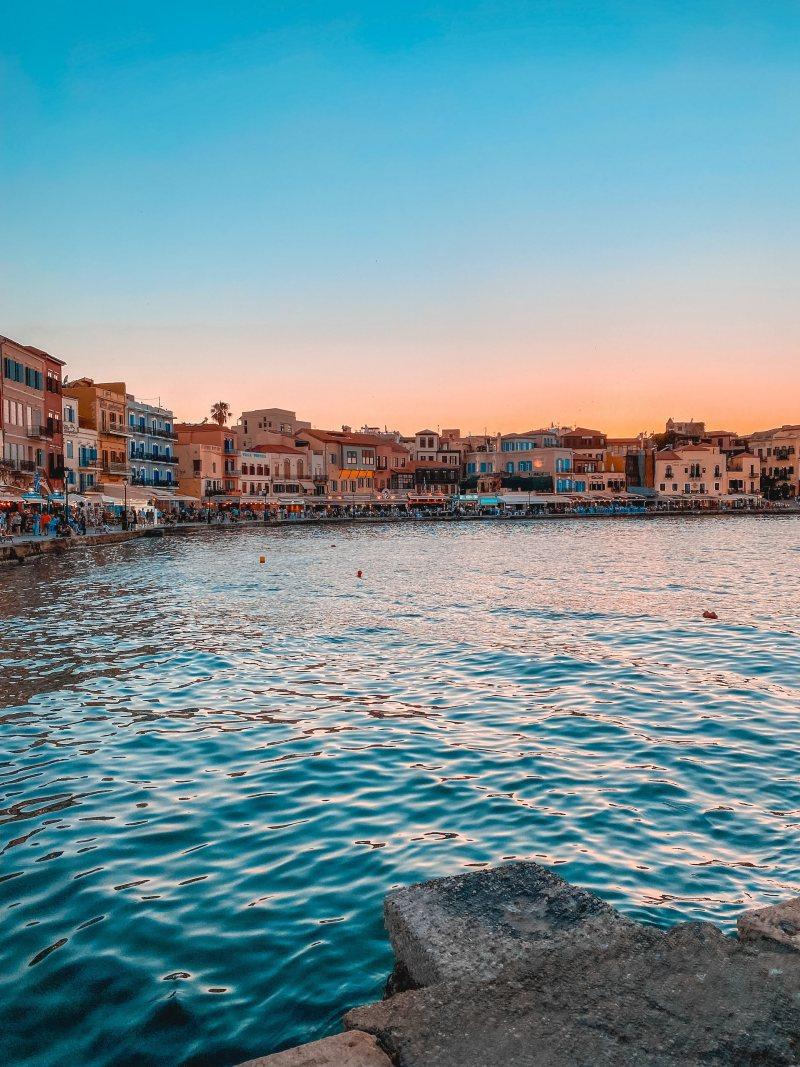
208, 467
430, 447
588, 449
275, 474
267, 424
531, 455
30, 415
151, 445
102, 407
779, 452
81, 460
344, 463
701, 470
744, 474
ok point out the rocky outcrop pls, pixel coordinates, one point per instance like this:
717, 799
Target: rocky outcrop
514, 967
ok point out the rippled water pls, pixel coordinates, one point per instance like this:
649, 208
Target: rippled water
211, 771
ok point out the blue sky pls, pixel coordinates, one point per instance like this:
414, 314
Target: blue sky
472, 213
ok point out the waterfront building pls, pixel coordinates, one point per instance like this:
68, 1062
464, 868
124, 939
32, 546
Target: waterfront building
744, 473
526, 458
267, 424
430, 447
779, 452
151, 445
344, 463
208, 466
101, 407
30, 415
588, 449
701, 470
391, 460
276, 474
433, 477
81, 462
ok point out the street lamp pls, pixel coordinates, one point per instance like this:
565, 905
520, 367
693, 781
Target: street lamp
125, 504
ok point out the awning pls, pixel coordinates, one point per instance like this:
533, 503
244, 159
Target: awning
179, 498
356, 474
100, 498
33, 498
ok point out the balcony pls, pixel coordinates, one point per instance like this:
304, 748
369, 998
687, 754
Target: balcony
153, 457
116, 429
40, 431
149, 431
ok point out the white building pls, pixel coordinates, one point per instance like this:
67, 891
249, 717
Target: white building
81, 463
151, 444
701, 470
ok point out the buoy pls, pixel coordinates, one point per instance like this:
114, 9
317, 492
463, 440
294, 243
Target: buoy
262, 559
710, 615
359, 574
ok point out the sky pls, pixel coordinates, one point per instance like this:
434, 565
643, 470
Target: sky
491, 215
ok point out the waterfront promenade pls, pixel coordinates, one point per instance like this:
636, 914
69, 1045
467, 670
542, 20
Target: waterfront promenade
29, 546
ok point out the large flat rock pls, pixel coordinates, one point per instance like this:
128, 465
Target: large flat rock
779, 923
689, 997
472, 926
352, 1049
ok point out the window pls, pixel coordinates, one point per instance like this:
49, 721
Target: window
69, 450
352, 457
510, 468
662, 487
12, 370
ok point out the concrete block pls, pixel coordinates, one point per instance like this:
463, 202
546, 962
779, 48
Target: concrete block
690, 998
779, 922
352, 1049
472, 926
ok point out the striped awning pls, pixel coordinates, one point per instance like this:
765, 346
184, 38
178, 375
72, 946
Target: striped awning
356, 474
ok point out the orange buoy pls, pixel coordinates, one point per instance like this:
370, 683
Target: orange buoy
262, 559
710, 615
359, 574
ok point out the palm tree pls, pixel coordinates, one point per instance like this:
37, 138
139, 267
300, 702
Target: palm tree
220, 412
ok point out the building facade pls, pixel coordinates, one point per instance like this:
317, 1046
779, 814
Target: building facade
81, 462
343, 463
151, 445
208, 464
30, 415
527, 457
701, 470
588, 449
261, 425
275, 474
102, 408
779, 453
